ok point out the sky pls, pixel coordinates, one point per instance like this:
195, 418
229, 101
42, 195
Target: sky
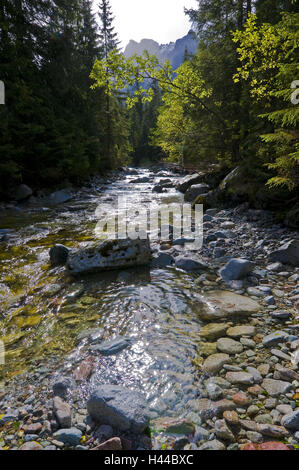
161, 20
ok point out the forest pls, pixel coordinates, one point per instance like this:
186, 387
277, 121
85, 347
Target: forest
76, 107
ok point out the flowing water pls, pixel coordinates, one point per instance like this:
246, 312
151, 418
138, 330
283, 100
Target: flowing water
44, 309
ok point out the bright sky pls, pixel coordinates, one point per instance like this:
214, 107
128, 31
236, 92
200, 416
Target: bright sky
161, 20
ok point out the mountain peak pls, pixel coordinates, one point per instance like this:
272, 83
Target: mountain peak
173, 51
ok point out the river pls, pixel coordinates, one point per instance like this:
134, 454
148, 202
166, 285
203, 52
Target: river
44, 309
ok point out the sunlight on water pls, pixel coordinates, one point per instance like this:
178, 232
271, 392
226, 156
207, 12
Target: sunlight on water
43, 315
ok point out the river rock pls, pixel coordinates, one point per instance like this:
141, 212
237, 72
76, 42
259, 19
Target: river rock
174, 425
236, 269
241, 378
7, 418
276, 387
208, 409
61, 386
196, 190
225, 304
287, 254
207, 349
110, 445
23, 192
120, 407
63, 412
188, 181
113, 346
58, 255
229, 346
214, 363
213, 331
70, 437
109, 255
212, 445
189, 264
265, 446
34, 428
59, 197
288, 375
162, 260
231, 417
242, 330
158, 189
275, 338
222, 431
31, 446
241, 399
271, 430
255, 373
291, 421
143, 179
214, 391
84, 370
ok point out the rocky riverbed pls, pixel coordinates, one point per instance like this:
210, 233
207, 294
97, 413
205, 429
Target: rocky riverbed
196, 350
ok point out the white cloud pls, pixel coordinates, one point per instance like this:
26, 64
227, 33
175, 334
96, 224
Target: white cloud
161, 20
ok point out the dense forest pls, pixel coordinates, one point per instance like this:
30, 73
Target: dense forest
233, 104
53, 125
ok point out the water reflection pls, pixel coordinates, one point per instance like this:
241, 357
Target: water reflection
45, 309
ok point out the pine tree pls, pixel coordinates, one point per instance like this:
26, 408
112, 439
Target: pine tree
109, 42
108, 36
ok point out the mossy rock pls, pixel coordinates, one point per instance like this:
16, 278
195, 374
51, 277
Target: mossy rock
207, 349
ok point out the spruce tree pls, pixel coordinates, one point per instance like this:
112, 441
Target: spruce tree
108, 36
108, 41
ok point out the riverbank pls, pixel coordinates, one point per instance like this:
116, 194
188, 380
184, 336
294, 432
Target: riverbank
212, 381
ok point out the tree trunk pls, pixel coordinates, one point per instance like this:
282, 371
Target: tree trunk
249, 7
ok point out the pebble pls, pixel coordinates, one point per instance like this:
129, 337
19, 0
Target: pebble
31, 446
212, 445
241, 399
274, 338
69, 437
229, 346
241, 378
275, 388
214, 363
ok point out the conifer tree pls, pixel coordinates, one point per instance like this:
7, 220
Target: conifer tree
109, 42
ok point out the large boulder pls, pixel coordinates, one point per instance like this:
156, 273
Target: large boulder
121, 408
287, 254
58, 255
143, 179
232, 177
196, 190
224, 304
189, 181
109, 255
23, 192
236, 269
59, 197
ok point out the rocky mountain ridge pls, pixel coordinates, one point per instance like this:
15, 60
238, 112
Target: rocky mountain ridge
174, 51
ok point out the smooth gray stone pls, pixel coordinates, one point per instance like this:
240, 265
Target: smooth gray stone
113, 346
123, 409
